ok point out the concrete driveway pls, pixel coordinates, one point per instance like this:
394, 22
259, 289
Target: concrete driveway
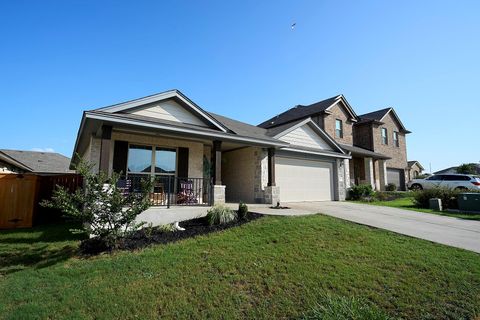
454, 232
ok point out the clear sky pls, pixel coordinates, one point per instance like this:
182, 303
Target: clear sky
243, 60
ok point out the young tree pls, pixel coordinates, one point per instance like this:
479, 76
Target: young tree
467, 168
102, 208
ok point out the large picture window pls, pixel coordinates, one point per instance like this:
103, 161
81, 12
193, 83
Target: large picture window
151, 160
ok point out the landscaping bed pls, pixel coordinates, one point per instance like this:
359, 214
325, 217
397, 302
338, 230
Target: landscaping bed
158, 235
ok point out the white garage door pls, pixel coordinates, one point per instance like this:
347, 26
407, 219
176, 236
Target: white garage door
304, 180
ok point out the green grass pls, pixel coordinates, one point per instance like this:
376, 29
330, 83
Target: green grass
275, 267
407, 203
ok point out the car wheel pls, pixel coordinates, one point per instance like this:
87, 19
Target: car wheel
416, 187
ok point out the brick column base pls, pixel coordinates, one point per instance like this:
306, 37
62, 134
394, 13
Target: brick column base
218, 194
272, 195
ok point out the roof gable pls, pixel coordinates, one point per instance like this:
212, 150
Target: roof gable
169, 105
301, 112
379, 116
306, 133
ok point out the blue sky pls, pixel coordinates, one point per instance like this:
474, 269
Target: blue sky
242, 59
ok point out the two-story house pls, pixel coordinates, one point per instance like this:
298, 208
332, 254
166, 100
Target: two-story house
376, 141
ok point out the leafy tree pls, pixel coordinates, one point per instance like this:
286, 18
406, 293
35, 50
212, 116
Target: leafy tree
467, 168
102, 208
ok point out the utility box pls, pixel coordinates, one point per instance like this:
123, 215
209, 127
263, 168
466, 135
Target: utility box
435, 204
469, 201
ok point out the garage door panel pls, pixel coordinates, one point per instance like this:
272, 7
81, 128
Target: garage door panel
395, 176
304, 180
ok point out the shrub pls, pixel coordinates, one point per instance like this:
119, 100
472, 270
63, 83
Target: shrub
242, 210
335, 307
220, 214
101, 208
391, 187
361, 191
448, 197
392, 195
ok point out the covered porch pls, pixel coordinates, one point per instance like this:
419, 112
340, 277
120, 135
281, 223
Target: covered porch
367, 167
187, 169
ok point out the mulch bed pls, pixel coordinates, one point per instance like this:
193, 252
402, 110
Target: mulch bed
145, 237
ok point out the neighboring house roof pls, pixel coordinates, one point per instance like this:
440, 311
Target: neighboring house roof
301, 112
413, 162
378, 116
36, 162
454, 170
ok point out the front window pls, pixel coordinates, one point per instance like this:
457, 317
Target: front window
165, 161
151, 160
139, 159
338, 128
384, 136
395, 139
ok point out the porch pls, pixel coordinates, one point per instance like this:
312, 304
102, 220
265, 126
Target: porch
367, 167
185, 170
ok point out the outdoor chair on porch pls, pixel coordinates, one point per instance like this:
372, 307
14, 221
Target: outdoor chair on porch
186, 195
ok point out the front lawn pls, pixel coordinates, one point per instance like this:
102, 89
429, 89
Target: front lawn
275, 267
407, 203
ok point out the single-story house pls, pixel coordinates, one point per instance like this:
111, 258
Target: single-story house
198, 157
414, 169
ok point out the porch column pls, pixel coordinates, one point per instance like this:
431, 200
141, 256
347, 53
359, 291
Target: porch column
217, 163
105, 148
382, 176
346, 164
272, 192
271, 167
369, 179
218, 188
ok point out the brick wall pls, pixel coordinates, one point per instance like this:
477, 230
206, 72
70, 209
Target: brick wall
362, 136
338, 111
398, 154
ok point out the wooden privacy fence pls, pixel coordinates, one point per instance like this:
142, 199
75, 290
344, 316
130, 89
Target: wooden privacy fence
20, 195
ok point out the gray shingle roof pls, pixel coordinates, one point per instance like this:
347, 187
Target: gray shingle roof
374, 115
241, 128
40, 162
298, 112
363, 152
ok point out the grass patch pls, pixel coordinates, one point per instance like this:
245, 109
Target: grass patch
407, 203
275, 267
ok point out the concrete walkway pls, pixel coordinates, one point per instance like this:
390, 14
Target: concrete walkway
454, 232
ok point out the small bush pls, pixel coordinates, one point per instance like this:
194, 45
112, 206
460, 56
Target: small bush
392, 195
361, 191
220, 214
448, 197
242, 210
343, 308
391, 187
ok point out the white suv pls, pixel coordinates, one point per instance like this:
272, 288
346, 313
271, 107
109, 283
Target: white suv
451, 181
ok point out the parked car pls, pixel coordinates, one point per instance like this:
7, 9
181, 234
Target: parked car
451, 181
